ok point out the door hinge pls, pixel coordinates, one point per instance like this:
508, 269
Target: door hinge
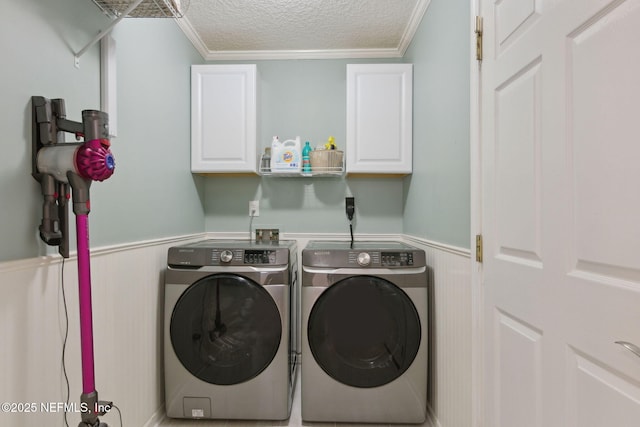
478, 32
479, 247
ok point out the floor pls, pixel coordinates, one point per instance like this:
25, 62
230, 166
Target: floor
295, 420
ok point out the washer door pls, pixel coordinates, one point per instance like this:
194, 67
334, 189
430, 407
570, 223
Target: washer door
364, 331
225, 329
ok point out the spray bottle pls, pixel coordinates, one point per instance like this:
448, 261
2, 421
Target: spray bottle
306, 161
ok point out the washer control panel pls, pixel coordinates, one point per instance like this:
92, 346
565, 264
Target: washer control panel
260, 256
226, 257
212, 253
243, 256
380, 259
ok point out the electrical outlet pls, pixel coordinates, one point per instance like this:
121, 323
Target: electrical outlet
254, 208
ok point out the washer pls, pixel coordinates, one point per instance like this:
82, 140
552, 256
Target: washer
230, 330
364, 332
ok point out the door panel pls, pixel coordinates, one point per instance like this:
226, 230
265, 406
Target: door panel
517, 220
512, 19
518, 368
603, 128
599, 395
561, 212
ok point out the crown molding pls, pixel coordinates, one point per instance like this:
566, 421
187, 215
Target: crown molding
255, 55
414, 23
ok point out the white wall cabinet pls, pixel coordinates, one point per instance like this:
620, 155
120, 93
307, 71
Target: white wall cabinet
223, 118
379, 118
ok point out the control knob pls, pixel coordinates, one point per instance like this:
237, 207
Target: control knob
364, 259
226, 256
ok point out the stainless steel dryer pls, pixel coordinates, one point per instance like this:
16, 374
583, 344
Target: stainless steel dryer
230, 330
364, 332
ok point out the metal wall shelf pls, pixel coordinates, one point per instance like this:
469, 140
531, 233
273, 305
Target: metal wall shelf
143, 9
119, 9
325, 172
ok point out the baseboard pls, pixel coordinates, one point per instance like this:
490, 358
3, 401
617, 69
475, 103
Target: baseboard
157, 418
432, 420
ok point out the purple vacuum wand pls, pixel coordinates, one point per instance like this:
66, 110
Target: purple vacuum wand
56, 165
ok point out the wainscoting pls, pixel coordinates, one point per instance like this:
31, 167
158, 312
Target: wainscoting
127, 303
126, 293
450, 393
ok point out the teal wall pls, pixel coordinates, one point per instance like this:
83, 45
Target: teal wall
437, 194
36, 43
152, 194
305, 98
308, 98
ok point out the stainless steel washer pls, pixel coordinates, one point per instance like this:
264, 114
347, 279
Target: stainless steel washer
364, 332
230, 330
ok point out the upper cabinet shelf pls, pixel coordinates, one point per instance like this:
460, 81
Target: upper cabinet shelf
379, 118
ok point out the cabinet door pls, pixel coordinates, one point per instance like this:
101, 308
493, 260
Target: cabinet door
379, 118
223, 118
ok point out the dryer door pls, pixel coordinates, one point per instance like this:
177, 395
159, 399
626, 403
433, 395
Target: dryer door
364, 331
225, 329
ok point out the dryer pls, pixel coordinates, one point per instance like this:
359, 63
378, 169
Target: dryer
364, 332
230, 330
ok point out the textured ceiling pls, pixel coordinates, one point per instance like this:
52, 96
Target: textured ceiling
266, 29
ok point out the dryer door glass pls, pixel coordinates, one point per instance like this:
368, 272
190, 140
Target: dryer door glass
364, 331
225, 329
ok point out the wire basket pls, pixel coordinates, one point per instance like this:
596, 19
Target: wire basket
146, 9
326, 161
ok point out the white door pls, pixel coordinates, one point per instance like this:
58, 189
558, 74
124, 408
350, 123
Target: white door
560, 120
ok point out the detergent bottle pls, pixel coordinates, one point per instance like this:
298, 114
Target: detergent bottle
306, 161
286, 156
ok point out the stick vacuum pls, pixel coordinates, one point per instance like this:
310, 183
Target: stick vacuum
57, 165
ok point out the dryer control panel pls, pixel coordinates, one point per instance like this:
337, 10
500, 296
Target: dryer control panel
397, 259
380, 259
339, 254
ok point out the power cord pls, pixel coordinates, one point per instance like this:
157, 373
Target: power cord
350, 207
119, 414
64, 341
351, 231
251, 223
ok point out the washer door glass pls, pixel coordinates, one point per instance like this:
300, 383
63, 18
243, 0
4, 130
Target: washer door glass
225, 329
364, 331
